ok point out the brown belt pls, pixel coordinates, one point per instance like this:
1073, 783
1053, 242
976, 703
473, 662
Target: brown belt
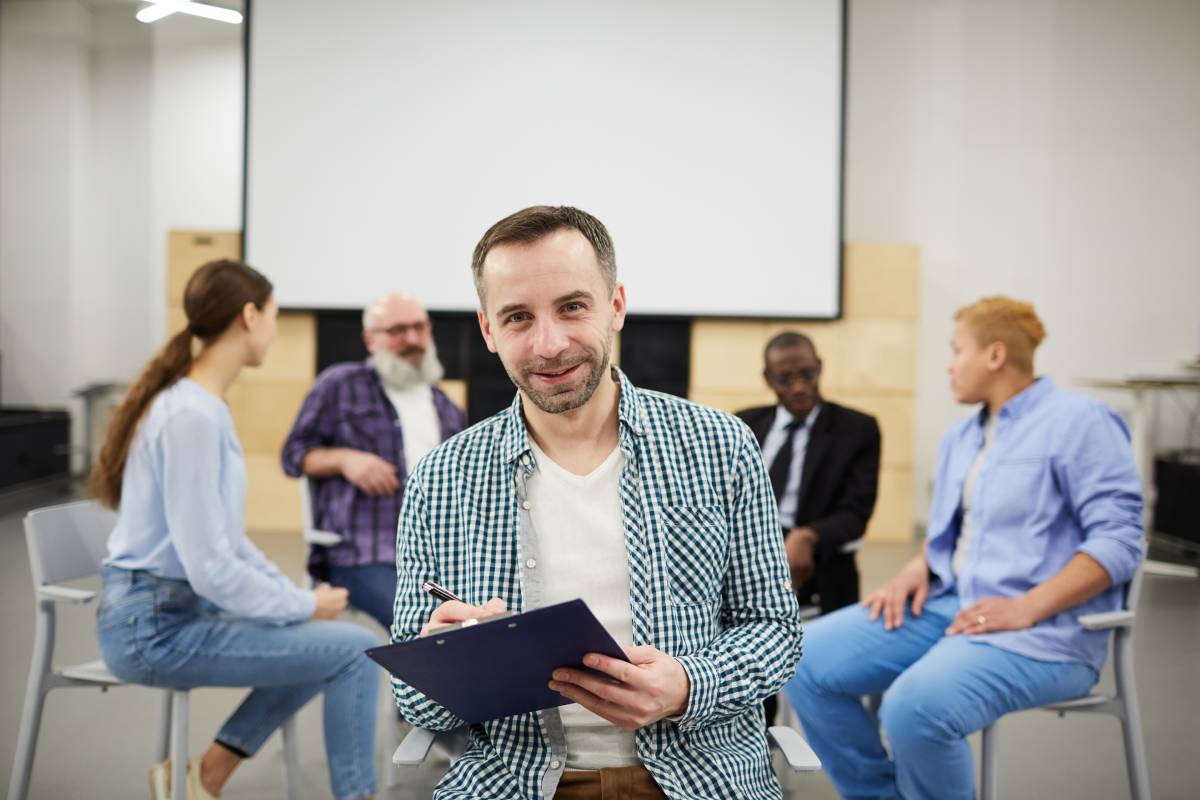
618, 783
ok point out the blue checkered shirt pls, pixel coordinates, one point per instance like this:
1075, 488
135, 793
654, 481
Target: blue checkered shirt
708, 584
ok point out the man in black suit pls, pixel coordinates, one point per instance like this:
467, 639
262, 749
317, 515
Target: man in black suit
823, 459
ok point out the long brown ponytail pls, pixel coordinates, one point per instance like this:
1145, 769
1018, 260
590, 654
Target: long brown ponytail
214, 297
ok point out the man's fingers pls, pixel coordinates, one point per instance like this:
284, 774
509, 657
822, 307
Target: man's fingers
620, 670
642, 653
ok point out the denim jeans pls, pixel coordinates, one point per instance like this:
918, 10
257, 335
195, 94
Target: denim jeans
159, 632
372, 588
938, 688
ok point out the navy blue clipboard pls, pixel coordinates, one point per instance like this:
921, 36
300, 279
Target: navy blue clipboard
499, 668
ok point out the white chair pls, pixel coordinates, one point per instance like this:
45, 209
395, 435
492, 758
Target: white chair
67, 542
1123, 704
315, 537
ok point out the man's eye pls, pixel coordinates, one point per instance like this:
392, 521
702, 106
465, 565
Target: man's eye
520, 316
569, 307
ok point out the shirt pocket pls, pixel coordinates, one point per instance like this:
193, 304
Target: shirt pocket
361, 428
697, 550
1012, 490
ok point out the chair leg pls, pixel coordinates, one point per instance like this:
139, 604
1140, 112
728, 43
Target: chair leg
1131, 721
35, 699
989, 773
291, 760
391, 726
162, 742
179, 744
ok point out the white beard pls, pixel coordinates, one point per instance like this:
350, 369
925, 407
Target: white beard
399, 374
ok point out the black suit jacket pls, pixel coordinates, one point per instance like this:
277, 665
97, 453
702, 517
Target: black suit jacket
837, 494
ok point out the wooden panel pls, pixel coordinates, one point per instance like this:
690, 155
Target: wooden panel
264, 411
456, 391
732, 400
893, 517
726, 354
882, 281
187, 250
896, 422
876, 356
293, 354
272, 498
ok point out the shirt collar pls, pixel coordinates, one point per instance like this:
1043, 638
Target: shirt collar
631, 418
1022, 402
783, 417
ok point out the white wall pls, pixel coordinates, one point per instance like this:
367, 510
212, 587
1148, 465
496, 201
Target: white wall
111, 134
1046, 150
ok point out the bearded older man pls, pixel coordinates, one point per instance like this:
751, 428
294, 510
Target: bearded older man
362, 428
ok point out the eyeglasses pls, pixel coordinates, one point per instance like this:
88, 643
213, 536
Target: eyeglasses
809, 376
400, 329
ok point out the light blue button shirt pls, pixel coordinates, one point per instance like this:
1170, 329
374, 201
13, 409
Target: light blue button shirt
1058, 479
183, 510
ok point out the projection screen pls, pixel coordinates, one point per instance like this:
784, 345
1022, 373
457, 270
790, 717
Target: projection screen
385, 136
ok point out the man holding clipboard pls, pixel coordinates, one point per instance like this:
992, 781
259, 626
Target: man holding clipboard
657, 512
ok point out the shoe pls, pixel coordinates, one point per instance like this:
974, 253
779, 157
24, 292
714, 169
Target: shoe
196, 790
160, 781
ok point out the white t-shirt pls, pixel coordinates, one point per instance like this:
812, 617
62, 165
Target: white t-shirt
965, 529
419, 423
581, 539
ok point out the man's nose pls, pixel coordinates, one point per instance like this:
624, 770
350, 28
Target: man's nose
549, 339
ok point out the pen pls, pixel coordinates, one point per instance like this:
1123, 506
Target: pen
440, 592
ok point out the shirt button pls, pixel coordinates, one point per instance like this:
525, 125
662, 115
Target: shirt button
555, 764
526, 505
531, 563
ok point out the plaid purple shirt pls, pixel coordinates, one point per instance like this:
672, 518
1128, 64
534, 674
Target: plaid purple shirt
347, 407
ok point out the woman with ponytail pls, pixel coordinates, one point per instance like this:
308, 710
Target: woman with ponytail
188, 600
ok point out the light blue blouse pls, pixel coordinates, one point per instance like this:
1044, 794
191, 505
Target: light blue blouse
183, 510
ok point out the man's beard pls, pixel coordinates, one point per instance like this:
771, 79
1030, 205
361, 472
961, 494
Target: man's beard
399, 373
571, 394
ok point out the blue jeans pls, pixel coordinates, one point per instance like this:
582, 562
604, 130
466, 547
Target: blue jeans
372, 588
938, 688
159, 632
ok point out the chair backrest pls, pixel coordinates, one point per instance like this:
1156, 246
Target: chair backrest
68, 541
1133, 589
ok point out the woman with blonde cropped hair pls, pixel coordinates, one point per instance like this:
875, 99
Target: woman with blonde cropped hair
1035, 521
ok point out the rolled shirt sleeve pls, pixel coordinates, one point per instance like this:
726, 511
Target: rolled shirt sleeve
1102, 483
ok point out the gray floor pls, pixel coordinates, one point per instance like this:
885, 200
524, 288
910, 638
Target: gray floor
99, 745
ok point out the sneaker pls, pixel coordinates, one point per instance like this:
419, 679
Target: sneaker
196, 790
160, 781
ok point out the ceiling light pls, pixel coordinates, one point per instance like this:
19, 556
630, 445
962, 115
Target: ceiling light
164, 8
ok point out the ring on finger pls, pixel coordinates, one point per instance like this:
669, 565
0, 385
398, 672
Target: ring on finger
981, 619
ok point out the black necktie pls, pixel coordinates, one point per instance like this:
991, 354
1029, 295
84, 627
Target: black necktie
781, 465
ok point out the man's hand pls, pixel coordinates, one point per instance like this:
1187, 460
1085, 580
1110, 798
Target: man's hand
799, 544
370, 473
912, 581
650, 686
994, 614
331, 601
452, 612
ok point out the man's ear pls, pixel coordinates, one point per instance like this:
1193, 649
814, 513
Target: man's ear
619, 307
485, 328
